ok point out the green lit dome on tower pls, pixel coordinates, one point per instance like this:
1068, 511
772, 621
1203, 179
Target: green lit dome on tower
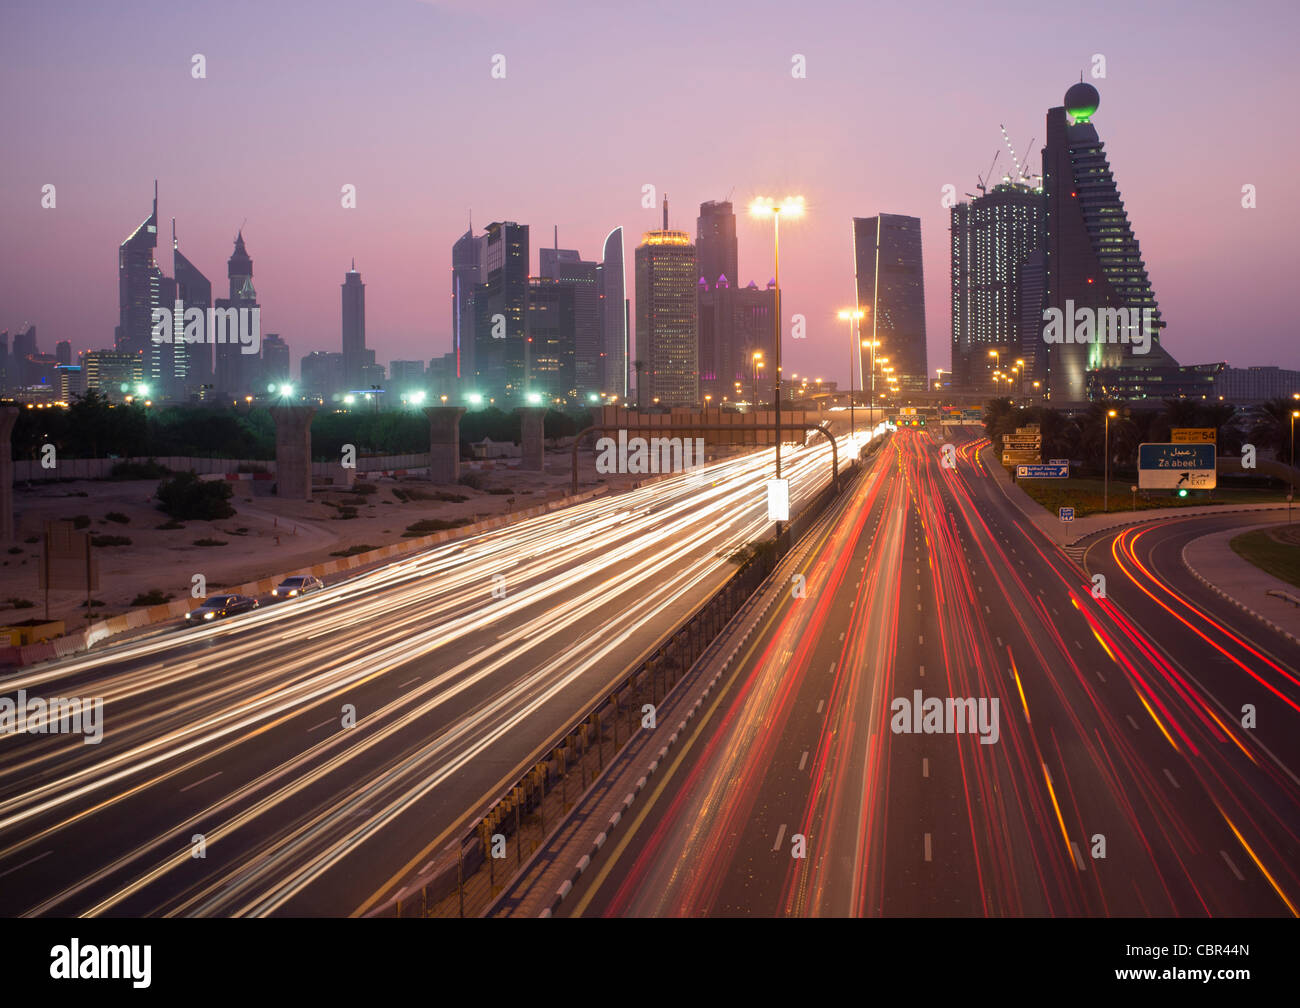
1081, 101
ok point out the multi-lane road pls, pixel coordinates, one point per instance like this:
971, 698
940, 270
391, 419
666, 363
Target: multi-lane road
1121, 772
313, 756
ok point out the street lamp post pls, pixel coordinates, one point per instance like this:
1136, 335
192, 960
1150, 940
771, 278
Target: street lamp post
793, 207
998, 355
1105, 494
1289, 496
853, 316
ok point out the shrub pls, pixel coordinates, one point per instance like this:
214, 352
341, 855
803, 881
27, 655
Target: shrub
426, 525
454, 498
209, 542
401, 494
353, 551
20, 603
80, 521
110, 540
32, 539
500, 491
117, 516
155, 596
472, 479
170, 526
364, 488
186, 497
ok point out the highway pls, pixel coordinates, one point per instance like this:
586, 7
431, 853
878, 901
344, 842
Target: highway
1116, 779
317, 753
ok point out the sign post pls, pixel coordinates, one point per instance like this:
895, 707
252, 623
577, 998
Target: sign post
1173, 466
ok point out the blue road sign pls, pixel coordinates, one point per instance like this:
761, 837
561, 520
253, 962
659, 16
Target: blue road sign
1067, 514
1054, 471
1163, 466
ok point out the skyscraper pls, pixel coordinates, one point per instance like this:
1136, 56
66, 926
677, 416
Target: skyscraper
667, 318
355, 354
1093, 259
735, 323
275, 362
235, 372
500, 307
139, 282
566, 266
194, 290
551, 351
715, 244
612, 285
466, 274
891, 289
992, 237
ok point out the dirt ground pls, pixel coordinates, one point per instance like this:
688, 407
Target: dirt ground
265, 537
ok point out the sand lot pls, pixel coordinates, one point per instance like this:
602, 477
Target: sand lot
266, 536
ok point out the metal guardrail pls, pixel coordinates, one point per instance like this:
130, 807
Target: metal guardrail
1284, 596
655, 672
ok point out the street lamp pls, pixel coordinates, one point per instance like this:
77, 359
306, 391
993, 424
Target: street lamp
1105, 494
998, 355
1294, 414
791, 206
853, 316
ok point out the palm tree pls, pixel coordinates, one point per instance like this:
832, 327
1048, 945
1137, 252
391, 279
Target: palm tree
1271, 426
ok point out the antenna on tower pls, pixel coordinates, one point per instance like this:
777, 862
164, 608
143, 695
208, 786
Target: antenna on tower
173, 232
665, 211
557, 237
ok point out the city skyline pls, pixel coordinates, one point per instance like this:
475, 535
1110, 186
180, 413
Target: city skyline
404, 224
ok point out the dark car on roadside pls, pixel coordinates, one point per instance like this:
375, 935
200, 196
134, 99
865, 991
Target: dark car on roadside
220, 606
291, 587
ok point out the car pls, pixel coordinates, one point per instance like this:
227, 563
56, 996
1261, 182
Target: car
293, 586
219, 606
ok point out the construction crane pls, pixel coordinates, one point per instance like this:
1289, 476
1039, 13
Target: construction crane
982, 187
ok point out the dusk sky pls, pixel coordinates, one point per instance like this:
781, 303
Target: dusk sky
396, 97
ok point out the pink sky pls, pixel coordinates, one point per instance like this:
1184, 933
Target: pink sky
396, 97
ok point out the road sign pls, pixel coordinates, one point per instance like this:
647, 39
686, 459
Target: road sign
1055, 471
1067, 514
1019, 458
1064, 462
1193, 435
778, 500
1176, 467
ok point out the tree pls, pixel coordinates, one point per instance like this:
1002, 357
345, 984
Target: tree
187, 498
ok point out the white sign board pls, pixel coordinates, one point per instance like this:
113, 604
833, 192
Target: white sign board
778, 500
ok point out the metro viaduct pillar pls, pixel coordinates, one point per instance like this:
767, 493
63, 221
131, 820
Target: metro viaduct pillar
293, 451
444, 443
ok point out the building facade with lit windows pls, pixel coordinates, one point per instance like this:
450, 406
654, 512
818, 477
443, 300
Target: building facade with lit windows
500, 316
1093, 260
667, 319
611, 285
891, 290
994, 236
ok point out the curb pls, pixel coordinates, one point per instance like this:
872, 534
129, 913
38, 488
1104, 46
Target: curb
1224, 595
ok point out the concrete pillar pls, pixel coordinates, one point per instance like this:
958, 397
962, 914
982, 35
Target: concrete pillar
293, 450
8, 417
444, 443
533, 441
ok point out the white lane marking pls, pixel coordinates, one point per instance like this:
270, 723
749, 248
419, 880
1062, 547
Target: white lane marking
1240, 877
321, 725
1099, 675
925, 766
819, 705
841, 635
923, 671
919, 639
999, 640
1131, 721
1171, 779
987, 609
918, 607
408, 682
927, 846
1078, 857
803, 760
198, 782
780, 835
